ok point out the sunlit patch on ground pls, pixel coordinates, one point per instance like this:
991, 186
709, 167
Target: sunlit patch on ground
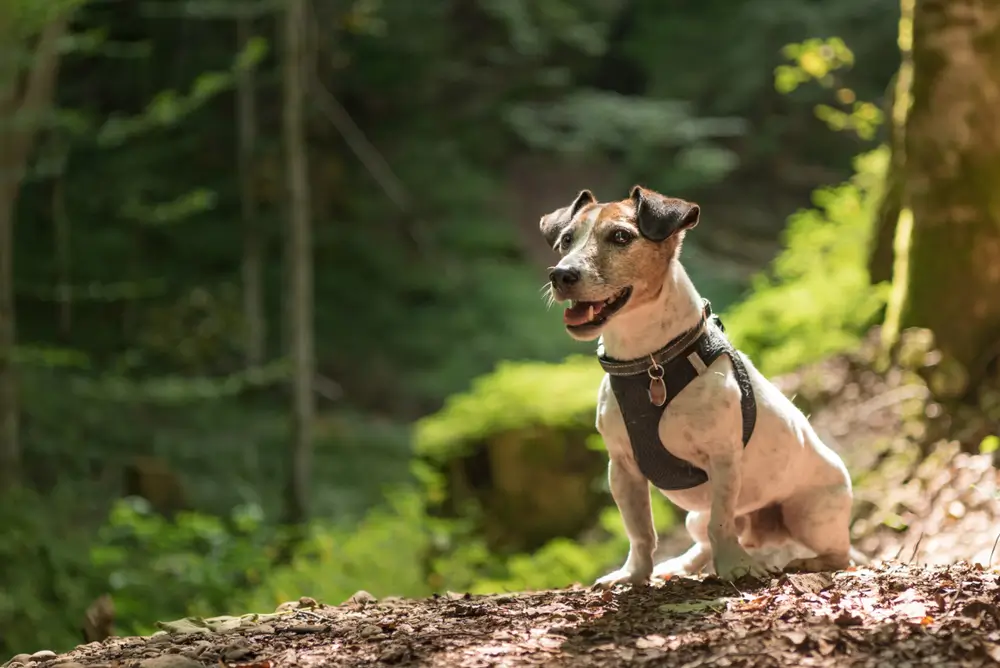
884, 615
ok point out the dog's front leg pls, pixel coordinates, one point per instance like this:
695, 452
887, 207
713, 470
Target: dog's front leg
731, 561
630, 490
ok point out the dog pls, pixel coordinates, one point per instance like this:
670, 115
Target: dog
700, 421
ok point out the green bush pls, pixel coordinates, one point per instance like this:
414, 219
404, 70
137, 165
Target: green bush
514, 396
559, 563
45, 580
816, 298
384, 554
156, 568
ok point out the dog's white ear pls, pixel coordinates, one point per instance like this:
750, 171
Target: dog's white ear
554, 223
660, 217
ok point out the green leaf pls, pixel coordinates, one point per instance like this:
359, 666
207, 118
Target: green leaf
252, 54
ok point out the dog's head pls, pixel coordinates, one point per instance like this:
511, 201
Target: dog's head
615, 255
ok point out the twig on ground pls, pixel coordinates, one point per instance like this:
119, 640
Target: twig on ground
916, 548
989, 562
958, 590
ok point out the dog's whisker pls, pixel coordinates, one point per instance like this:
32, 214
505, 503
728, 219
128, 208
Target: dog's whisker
548, 295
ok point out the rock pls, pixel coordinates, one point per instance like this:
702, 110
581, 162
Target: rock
307, 602
361, 598
19, 658
42, 655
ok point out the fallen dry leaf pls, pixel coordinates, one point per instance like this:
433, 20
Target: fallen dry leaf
848, 618
685, 622
651, 641
795, 637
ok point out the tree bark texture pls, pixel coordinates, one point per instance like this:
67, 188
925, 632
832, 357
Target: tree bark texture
253, 245
952, 180
299, 255
882, 258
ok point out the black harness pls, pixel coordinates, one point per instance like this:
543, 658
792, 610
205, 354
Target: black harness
644, 387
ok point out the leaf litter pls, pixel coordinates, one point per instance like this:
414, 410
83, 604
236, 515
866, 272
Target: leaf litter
887, 614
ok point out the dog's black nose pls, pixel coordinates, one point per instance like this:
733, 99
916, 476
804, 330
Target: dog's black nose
563, 278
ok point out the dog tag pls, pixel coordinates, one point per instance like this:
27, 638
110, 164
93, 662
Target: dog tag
657, 388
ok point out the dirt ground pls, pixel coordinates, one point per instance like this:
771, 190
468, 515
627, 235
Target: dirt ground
889, 615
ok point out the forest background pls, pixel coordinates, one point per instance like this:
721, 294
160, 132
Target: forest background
270, 321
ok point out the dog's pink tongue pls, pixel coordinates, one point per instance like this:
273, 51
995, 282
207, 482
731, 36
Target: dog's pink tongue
580, 312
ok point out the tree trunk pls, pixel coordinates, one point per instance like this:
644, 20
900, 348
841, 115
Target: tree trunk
949, 280
881, 259
299, 254
10, 449
21, 104
253, 246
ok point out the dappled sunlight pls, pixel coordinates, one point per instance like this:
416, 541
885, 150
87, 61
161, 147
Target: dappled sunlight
279, 386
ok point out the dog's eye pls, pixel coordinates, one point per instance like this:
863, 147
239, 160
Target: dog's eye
565, 241
621, 237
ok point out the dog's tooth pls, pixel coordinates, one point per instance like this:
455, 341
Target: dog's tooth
590, 312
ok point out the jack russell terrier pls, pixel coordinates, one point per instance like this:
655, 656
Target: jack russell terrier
680, 408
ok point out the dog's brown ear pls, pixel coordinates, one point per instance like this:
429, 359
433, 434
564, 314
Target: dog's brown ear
554, 223
660, 217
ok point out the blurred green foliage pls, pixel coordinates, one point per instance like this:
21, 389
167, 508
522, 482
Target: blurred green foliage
817, 298
514, 396
191, 564
128, 250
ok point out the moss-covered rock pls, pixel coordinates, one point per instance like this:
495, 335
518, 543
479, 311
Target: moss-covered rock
520, 446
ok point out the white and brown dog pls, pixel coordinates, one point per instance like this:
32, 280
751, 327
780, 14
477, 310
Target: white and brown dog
680, 408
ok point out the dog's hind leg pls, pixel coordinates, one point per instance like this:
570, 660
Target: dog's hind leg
820, 519
697, 557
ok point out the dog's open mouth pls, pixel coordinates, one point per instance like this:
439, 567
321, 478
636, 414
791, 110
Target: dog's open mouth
582, 314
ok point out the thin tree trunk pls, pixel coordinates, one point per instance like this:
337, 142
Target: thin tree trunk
10, 448
949, 280
253, 245
21, 104
300, 254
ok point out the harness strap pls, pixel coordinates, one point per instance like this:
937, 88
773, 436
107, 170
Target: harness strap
678, 363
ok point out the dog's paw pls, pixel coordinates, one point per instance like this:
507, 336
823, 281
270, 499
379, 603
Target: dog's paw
676, 567
633, 576
734, 563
